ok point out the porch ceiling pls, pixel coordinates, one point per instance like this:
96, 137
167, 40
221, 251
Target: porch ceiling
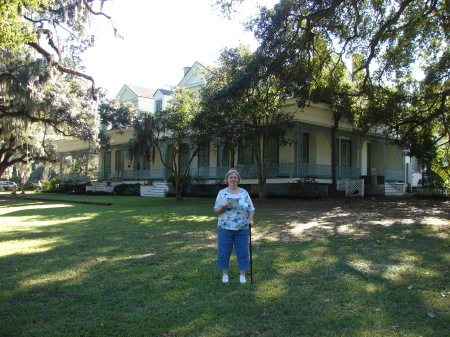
71, 145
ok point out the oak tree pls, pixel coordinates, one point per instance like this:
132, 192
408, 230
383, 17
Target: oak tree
44, 93
403, 82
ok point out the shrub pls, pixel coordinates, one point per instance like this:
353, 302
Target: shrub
73, 188
128, 189
56, 185
307, 188
53, 185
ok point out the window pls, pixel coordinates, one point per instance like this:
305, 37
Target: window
304, 148
344, 152
119, 161
107, 165
245, 151
223, 155
273, 149
203, 156
158, 105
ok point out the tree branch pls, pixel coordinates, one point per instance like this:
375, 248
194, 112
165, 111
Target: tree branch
26, 116
380, 33
89, 8
57, 65
49, 34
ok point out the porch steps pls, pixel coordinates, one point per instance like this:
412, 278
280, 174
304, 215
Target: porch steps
393, 189
157, 189
96, 187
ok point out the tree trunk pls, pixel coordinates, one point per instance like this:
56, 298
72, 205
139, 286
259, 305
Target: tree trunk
178, 190
261, 164
263, 170
232, 155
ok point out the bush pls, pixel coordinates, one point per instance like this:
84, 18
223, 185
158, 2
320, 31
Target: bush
53, 185
433, 180
307, 188
73, 188
56, 185
128, 189
432, 193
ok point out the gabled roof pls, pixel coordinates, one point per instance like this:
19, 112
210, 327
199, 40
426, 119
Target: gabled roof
140, 91
190, 74
165, 92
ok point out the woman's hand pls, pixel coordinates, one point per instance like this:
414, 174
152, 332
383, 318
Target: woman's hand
251, 224
221, 209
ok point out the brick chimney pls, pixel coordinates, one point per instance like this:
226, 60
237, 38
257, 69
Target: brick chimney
186, 70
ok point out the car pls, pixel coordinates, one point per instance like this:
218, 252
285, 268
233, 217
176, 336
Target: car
7, 185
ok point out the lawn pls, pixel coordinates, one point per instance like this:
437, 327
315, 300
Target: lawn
147, 267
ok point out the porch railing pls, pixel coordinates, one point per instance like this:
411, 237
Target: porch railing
394, 175
156, 174
283, 170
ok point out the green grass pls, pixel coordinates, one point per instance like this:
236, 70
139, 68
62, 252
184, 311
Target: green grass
147, 267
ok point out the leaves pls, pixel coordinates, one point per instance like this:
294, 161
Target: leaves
44, 91
117, 115
241, 103
174, 129
14, 30
306, 43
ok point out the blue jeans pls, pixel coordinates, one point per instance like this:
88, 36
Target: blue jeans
226, 240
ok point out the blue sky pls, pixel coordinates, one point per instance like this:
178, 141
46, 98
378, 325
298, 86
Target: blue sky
160, 38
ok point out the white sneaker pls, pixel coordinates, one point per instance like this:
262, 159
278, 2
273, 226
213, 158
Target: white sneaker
242, 278
225, 278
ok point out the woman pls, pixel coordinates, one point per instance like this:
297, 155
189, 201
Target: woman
236, 211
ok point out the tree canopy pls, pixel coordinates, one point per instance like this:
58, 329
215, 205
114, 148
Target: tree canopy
240, 103
16, 27
398, 51
43, 90
175, 132
222, 112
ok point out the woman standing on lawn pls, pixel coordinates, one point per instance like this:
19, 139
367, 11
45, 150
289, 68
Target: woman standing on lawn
236, 211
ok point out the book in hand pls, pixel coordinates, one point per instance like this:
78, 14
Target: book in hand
233, 203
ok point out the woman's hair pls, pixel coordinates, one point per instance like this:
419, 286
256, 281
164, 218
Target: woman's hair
233, 171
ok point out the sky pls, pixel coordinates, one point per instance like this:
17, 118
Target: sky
160, 38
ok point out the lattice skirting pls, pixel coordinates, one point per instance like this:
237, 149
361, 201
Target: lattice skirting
352, 187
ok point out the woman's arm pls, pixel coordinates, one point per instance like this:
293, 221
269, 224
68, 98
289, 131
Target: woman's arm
251, 214
220, 209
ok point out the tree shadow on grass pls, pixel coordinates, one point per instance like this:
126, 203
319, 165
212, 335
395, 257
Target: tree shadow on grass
360, 270
100, 261
320, 269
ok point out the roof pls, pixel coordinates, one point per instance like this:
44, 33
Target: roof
165, 92
141, 91
189, 73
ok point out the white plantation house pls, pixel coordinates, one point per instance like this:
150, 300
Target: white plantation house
142, 98
365, 164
